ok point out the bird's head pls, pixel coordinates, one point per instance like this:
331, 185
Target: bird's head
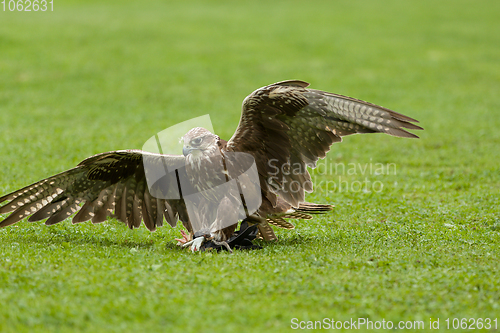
199, 142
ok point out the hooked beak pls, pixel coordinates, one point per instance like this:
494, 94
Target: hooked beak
187, 150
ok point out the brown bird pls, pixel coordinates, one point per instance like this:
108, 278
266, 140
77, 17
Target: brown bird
284, 127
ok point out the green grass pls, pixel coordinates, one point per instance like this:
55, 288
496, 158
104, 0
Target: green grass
92, 77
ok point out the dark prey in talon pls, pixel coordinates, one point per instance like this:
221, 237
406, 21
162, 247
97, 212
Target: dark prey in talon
258, 177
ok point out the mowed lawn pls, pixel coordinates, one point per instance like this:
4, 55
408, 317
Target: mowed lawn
415, 233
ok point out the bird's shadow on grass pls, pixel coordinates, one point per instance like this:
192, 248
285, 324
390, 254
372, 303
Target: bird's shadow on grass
64, 236
73, 236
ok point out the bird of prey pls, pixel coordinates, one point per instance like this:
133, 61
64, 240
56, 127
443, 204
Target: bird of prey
282, 125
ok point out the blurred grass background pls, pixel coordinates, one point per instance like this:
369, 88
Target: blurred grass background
91, 77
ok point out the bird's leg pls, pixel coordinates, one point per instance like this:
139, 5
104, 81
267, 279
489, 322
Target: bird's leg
195, 240
195, 243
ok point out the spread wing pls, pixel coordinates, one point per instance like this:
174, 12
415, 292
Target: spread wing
287, 127
107, 184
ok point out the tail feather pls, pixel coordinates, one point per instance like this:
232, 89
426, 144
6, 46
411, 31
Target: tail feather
266, 232
280, 223
302, 213
313, 208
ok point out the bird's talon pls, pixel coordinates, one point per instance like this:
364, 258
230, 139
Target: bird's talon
185, 239
186, 244
196, 243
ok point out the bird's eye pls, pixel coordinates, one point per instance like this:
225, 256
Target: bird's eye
196, 141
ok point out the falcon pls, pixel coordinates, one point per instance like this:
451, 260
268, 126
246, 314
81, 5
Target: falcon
259, 176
